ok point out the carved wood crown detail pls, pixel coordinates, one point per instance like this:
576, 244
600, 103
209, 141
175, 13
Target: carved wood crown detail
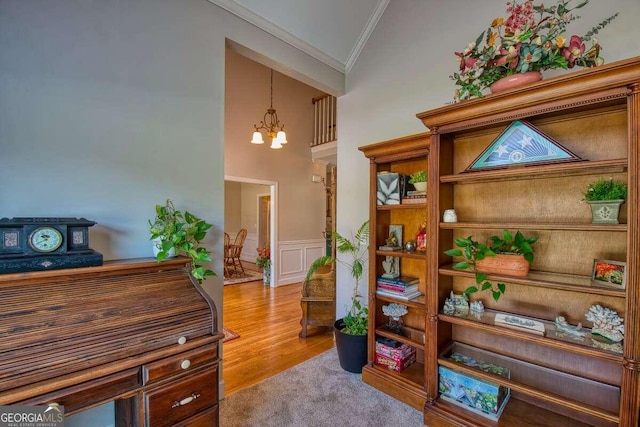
543, 110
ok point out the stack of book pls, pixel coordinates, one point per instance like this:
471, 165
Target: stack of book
414, 196
397, 358
404, 287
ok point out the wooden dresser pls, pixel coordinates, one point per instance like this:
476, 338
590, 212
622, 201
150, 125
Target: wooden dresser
136, 332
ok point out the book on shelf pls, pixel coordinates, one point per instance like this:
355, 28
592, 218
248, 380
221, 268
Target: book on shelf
416, 193
401, 296
397, 288
412, 200
401, 280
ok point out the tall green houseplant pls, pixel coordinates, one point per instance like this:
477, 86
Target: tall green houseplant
356, 320
182, 233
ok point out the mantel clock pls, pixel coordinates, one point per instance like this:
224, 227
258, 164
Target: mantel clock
37, 244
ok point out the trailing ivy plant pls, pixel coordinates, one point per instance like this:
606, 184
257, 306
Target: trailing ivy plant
473, 251
184, 233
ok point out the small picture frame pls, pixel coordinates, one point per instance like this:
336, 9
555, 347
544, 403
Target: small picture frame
388, 191
608, 273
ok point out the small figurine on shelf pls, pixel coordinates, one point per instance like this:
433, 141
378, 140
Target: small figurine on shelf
390, 265
421, 236
563, 328
394, 312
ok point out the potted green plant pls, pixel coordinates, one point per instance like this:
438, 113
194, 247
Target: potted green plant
419, 180
605, 196
506, 255
351, 331
175, 232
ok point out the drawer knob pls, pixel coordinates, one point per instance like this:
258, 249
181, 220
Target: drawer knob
182, 340
185, 401
185, 364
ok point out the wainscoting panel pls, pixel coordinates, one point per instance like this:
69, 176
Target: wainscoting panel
296, 257
249, 249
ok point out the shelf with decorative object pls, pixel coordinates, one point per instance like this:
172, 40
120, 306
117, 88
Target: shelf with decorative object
593, 114
545, 279
609, 228
553, 337
402, 157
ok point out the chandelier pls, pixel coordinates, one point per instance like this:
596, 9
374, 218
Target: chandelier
272, 125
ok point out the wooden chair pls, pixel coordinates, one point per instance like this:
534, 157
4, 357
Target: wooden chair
318, 300
232, 253
227, 254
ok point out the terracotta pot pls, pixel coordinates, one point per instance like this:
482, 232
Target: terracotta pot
505, 264
515, 80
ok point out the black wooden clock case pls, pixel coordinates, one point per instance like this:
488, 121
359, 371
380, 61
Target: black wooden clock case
17, 255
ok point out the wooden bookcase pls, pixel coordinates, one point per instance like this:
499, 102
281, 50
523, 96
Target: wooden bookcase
404, 156
555, 381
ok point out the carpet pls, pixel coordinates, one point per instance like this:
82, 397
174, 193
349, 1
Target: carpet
316, 393
248, 276
229, 334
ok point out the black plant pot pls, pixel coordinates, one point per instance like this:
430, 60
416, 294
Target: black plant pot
352, 349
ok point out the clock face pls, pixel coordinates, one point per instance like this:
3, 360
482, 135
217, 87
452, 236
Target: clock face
45, 239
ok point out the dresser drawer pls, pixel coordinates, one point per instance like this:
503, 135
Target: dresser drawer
97, 391
176, 401
207, 418
180, 363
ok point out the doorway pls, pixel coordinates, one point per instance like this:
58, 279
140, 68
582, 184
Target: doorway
264, 223
261, 223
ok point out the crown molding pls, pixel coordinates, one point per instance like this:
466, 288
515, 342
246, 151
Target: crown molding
366, 33
277, 31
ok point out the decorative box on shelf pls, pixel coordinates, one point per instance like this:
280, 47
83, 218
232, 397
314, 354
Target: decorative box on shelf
395, 358
480, 396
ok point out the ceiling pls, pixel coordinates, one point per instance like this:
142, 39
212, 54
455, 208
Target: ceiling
332, 31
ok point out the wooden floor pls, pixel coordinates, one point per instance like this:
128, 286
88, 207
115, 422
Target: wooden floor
268, 321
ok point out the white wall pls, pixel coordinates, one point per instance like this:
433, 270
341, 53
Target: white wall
404, 69
109, 107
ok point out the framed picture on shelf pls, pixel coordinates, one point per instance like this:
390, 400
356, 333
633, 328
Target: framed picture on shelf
612, 274
388, 188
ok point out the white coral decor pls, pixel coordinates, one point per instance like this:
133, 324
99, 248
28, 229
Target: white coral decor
394, 310
606, 323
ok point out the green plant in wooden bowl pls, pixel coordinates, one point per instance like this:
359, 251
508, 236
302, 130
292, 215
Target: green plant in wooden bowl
181, 233
508, 255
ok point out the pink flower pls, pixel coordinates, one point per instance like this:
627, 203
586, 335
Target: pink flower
573, 51
509, 56
465, 61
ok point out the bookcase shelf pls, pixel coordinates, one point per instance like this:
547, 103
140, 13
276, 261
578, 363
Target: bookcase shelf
555, 380
544, 279
601, 125
609, 228
551, 338
404, 156
561, 170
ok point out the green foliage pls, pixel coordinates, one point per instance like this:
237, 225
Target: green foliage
472, 251
182, 232
606, 189
356, 320
420, 176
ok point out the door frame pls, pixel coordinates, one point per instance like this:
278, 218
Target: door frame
273, 223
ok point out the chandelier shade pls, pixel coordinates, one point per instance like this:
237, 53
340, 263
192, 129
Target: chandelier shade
272, 126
